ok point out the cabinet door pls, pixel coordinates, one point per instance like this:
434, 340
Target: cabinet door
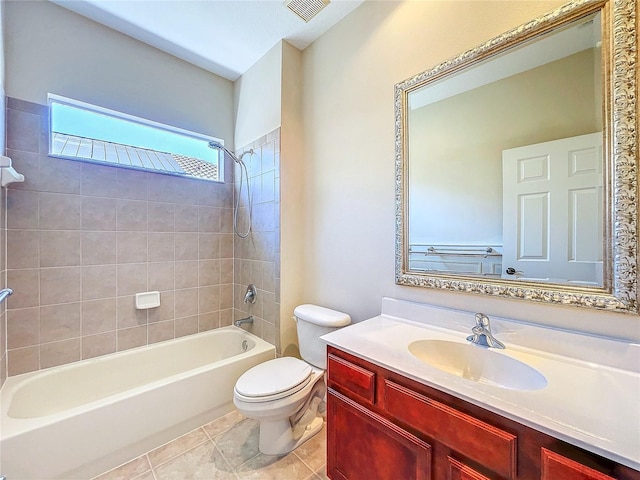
558, 467
364, 446
460, 471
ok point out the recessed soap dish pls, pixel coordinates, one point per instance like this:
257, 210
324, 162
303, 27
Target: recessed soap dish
146, 300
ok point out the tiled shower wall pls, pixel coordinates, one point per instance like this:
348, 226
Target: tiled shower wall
257, 257
82, 239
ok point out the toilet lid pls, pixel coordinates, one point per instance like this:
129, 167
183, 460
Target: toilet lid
273, 377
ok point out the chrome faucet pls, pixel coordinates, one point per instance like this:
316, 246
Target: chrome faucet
4, 293
251, 295
240, 321
482, 333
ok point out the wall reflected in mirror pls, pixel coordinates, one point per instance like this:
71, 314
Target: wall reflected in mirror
505, 164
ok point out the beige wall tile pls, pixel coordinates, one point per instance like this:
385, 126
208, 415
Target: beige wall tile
100, 344
98, 180
161, 188
209, 272
59, 175
186, 302
98, 214
98, 316
23, 248
186, 218
26, 288
209, 246
132, 247
22, 209
269, 276
131, 278
98, 248
60, 248
23, 327
208, 321
132, 337
209, 219
98, 282
60, 322
186, 274
226, 296
161, 217
131, 184
226, 270
166, 310
186, 326
60, 285
161, 331
208, 299
127, 314
186, 191
161, 247
131, 215
186, 246
59, 211
226, 220
23, 130
59, 353
23, 360
226, 317
226, 245
161, 276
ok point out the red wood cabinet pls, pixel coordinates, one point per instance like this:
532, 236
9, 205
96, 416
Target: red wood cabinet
383, 426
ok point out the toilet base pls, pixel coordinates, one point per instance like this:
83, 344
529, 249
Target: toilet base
276, 437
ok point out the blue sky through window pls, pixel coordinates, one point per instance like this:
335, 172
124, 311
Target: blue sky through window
81, 122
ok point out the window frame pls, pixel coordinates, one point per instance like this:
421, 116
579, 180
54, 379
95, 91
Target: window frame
61, 100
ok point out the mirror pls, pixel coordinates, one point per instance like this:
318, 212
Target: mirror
515, 174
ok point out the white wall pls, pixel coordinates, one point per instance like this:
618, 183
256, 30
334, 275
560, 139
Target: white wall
291, 194
349, 78
257, 98
51, 49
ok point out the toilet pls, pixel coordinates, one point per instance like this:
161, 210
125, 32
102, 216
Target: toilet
287, 395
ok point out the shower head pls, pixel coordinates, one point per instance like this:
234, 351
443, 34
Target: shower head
218, 146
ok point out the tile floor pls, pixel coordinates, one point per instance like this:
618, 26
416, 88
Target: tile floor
225, 449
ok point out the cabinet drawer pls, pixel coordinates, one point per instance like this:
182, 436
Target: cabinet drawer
351, 379
463, 433
556, 466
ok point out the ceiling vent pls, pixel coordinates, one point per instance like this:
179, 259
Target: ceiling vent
306, 9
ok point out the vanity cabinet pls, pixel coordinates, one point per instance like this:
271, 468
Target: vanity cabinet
384, 426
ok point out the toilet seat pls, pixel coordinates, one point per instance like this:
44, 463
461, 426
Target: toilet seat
273, 380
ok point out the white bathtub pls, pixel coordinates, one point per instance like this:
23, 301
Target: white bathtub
81, 419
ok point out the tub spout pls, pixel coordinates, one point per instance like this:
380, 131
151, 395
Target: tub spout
240, 321
4, 293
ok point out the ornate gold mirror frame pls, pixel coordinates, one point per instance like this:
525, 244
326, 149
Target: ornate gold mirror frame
620, 290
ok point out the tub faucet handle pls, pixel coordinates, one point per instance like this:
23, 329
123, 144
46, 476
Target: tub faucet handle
251, 294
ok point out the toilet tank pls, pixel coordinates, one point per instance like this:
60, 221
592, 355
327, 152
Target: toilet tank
313, 322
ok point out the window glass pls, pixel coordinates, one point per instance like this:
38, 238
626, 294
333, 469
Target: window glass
86, 132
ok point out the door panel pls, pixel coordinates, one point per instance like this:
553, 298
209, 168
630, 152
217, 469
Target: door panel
553, 210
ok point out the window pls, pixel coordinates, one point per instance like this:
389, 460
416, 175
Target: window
80, 131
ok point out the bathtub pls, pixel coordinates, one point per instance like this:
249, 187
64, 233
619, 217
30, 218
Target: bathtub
84, 418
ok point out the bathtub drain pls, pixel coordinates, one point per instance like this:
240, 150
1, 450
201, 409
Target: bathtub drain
245, 345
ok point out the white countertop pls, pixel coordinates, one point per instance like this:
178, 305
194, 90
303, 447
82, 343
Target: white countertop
592, 404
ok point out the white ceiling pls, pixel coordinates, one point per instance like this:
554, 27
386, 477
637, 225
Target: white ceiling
225, 37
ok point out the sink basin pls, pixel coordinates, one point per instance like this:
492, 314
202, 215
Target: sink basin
478, 364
